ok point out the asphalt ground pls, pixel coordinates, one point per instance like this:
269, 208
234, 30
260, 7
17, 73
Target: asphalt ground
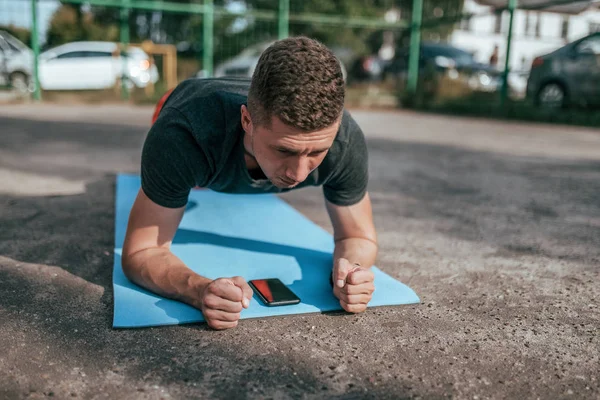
495, 225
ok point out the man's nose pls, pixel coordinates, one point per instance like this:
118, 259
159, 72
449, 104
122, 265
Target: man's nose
299, 170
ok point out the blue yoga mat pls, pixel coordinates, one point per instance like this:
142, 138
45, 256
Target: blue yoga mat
253, 236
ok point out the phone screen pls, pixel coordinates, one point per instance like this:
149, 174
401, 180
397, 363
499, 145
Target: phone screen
273, 292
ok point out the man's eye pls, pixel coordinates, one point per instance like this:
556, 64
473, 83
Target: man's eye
284, 151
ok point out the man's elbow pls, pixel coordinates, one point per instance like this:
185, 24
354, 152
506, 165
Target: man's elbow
136, 263
127, 265
131, 263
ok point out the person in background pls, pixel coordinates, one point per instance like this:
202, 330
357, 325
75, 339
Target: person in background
494, 57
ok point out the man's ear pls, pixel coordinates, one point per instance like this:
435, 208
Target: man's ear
246, 120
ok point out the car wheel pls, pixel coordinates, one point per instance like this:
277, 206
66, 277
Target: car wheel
552, 95
20, 83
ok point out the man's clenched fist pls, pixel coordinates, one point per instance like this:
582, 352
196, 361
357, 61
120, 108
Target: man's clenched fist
222, 301
352, 285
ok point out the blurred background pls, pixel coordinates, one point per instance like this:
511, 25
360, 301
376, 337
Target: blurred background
527, 59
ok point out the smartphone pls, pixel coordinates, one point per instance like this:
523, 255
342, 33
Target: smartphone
273, 292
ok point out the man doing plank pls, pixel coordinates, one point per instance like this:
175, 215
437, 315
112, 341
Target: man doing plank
284, 129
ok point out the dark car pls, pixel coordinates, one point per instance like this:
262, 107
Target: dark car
436, 59
366, 68
567, 76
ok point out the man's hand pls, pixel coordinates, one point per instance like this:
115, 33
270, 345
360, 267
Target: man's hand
222, 301
352, 285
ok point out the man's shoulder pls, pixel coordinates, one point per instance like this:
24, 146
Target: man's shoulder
345, 168
349, 133
348, 146
198, 96
209, 106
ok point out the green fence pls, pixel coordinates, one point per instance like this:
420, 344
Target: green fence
207, 34
219, 32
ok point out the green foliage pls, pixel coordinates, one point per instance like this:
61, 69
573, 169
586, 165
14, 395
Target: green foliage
357, 40
24, 35
233, 33
70, 23
439, 18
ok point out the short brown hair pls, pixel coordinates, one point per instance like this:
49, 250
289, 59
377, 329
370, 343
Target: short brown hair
300, 81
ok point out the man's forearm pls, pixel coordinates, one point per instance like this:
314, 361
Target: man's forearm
163, 273
356, 250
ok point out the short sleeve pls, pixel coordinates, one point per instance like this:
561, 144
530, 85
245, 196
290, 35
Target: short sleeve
172, 160
348, 184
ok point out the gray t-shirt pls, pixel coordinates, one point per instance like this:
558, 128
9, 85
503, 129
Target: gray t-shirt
197, 141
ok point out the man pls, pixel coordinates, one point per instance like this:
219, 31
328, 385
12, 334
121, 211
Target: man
284, 130
494, 57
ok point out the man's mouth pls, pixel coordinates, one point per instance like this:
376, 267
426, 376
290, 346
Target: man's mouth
288, 182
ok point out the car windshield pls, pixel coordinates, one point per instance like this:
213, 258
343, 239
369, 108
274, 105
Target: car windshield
590, 46
9, 43
461, 57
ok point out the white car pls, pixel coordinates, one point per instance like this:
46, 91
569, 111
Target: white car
10, 48
83, 66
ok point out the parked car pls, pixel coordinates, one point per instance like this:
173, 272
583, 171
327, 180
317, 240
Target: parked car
83, 66
366, 68
567, 76
3, 70
441, 58
244, 63
10, 48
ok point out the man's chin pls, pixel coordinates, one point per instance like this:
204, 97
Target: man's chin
284, 185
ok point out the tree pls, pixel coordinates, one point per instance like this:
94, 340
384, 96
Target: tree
235, 32
24, 35
70, 23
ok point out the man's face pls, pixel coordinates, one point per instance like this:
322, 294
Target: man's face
286, 155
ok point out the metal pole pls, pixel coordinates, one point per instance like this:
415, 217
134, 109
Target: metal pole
124, 43
35, 46
415, 46
208, 38
512, 5
284, 18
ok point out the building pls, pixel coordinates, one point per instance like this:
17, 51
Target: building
537, 28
